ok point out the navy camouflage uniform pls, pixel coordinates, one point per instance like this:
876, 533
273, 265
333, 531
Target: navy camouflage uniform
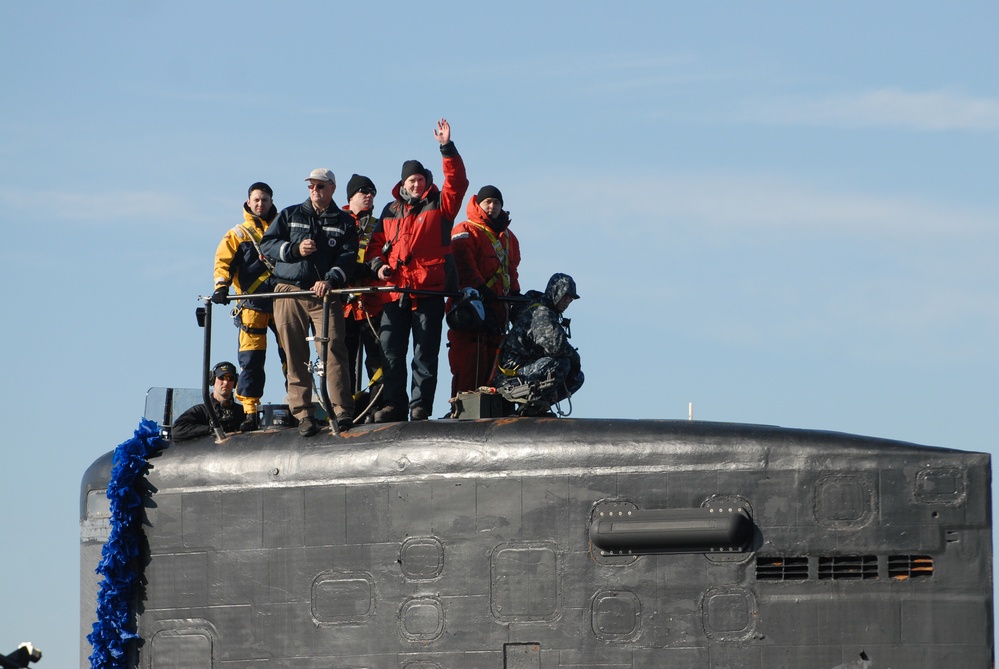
537, 348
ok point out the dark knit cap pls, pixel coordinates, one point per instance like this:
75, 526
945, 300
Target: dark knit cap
411, 167
487, 192
356, 183
260, 185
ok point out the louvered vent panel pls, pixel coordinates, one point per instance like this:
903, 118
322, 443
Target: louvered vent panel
775, 568
848, 567
901, 567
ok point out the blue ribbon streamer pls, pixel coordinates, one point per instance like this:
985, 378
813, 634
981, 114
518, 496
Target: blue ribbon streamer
116, 625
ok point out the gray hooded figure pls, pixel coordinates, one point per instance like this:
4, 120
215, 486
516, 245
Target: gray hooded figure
536, 351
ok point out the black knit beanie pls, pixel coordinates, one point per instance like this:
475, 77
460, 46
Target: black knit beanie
411, 167
356, 183
487, 192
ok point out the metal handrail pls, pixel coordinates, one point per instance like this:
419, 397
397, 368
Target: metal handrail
205, 319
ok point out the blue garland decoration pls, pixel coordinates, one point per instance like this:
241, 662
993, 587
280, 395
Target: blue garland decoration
116, 626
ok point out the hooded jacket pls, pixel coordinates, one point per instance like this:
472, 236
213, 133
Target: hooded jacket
486, 252
335, 234
537, 332
414, 238
238, 261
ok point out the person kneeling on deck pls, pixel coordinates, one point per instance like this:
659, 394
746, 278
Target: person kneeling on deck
195, 422
538, 367
313, 246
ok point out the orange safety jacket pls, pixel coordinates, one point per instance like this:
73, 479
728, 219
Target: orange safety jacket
486, 252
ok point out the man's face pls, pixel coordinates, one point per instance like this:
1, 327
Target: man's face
362, 200
224, 386
415, 184
564, 303
259, 202
491, 206
321, 193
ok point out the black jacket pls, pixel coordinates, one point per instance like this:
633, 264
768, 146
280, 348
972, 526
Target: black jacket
194, 422
335, 234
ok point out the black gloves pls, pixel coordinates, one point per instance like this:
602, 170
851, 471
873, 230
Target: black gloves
486, 293
363, 272
221, 295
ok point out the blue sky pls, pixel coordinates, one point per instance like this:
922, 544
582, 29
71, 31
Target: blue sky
783, 213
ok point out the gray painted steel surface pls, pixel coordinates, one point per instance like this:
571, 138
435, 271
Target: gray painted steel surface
467, 544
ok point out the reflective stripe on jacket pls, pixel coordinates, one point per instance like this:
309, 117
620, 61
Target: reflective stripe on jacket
335, 235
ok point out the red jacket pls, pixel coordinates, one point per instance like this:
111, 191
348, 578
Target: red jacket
486, 251
418, 234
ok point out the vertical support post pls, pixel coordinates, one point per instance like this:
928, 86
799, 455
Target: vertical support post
205, 314
324, 356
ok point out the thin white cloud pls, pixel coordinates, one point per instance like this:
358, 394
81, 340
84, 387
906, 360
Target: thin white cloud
597, 74
736, 202
590, 64
110, 207
778, 259
944, 109
653, 82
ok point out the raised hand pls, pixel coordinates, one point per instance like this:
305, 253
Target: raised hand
443, 131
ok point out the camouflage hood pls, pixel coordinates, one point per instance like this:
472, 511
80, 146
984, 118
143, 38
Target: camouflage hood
559, 286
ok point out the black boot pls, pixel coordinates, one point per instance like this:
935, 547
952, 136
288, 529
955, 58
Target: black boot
249, 423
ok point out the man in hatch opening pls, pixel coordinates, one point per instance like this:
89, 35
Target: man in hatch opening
195, 422
240, 262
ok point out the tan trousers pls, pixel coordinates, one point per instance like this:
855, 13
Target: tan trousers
293, 317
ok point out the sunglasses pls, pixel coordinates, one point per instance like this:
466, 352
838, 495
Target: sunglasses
318, 186
364, 190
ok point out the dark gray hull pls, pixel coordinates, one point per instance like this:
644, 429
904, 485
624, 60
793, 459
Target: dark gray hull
475, 544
